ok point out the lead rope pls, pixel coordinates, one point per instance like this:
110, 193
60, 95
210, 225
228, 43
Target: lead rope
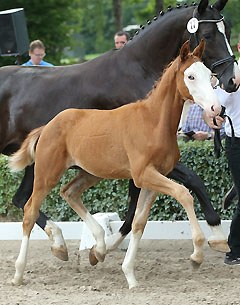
217, 138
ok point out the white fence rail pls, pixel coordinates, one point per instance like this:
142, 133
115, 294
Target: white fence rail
73, 230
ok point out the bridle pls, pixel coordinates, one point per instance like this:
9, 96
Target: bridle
230, 59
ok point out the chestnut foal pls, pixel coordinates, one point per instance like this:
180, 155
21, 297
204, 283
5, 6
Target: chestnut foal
136, 141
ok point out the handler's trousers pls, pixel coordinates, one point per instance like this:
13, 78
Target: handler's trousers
233, 156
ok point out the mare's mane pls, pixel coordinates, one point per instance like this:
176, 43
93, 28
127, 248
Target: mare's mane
145, 27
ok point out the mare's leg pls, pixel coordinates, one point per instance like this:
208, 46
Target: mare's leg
71, 192
192, 181
53, 231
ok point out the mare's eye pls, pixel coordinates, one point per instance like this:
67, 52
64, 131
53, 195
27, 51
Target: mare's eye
207, 36
191, 77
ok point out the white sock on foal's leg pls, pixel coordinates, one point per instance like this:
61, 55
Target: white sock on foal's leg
59, 248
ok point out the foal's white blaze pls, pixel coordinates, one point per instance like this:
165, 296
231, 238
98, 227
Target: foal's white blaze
221, 29
197, 78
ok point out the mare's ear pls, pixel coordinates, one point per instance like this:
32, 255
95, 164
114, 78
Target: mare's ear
220, 4
185, 49
202, 6
198, 51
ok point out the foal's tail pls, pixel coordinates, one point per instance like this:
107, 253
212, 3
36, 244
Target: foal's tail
26, 154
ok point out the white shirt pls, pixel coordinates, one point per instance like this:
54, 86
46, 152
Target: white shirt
232, 103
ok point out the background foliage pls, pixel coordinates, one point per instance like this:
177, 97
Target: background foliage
111, 196
73, 29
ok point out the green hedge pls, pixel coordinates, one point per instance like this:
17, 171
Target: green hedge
112, 195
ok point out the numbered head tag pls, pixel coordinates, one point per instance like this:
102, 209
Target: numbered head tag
192, 25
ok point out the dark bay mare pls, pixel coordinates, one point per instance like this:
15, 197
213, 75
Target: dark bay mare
32, 96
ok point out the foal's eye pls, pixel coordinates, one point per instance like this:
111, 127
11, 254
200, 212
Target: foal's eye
191, 77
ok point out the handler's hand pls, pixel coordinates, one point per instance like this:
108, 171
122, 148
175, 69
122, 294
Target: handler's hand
209, 121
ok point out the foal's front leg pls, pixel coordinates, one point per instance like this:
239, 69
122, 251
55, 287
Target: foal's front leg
146, 198
71, 192
152, 179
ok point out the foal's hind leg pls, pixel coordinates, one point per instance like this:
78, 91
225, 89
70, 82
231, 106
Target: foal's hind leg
54, 233
71, 192
114, 240
146, 198
192, 181
31, 212
46, 177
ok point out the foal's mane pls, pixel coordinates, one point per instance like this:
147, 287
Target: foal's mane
174, 64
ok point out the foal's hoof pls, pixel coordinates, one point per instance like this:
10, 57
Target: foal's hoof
60, 252
196, 261
95, 257
92, 257
219, 245
195, 265
17, 281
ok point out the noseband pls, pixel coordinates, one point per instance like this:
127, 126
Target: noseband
230, 59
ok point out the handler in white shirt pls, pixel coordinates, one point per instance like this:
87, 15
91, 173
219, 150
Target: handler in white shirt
232, 144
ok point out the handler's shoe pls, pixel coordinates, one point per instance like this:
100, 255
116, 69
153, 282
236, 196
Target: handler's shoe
231, 260
229, 197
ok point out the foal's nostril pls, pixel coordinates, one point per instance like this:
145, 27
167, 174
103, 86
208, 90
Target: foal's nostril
212, 108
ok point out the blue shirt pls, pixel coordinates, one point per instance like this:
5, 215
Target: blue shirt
42, 63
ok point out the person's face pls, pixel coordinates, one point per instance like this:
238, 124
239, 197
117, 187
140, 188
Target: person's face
238, 46
120, 41
37, 55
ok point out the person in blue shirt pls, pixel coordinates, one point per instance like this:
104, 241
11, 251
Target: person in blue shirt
37, 53
195, 127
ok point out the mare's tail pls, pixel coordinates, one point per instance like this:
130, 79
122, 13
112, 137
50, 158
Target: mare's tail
26, 154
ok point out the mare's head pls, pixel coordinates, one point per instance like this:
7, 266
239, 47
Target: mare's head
194, 79
209, 24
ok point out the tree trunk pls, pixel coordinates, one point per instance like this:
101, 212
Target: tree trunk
117, 12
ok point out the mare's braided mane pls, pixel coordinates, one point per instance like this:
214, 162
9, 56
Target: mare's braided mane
161, 13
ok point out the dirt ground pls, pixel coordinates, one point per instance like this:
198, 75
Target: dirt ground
163, 270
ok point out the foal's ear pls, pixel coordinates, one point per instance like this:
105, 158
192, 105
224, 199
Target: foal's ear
198, 51
185, 49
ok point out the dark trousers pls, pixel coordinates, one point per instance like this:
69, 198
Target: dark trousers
233, 156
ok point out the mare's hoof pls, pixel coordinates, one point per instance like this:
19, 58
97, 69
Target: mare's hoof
219, 245
60, 252
92, 257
